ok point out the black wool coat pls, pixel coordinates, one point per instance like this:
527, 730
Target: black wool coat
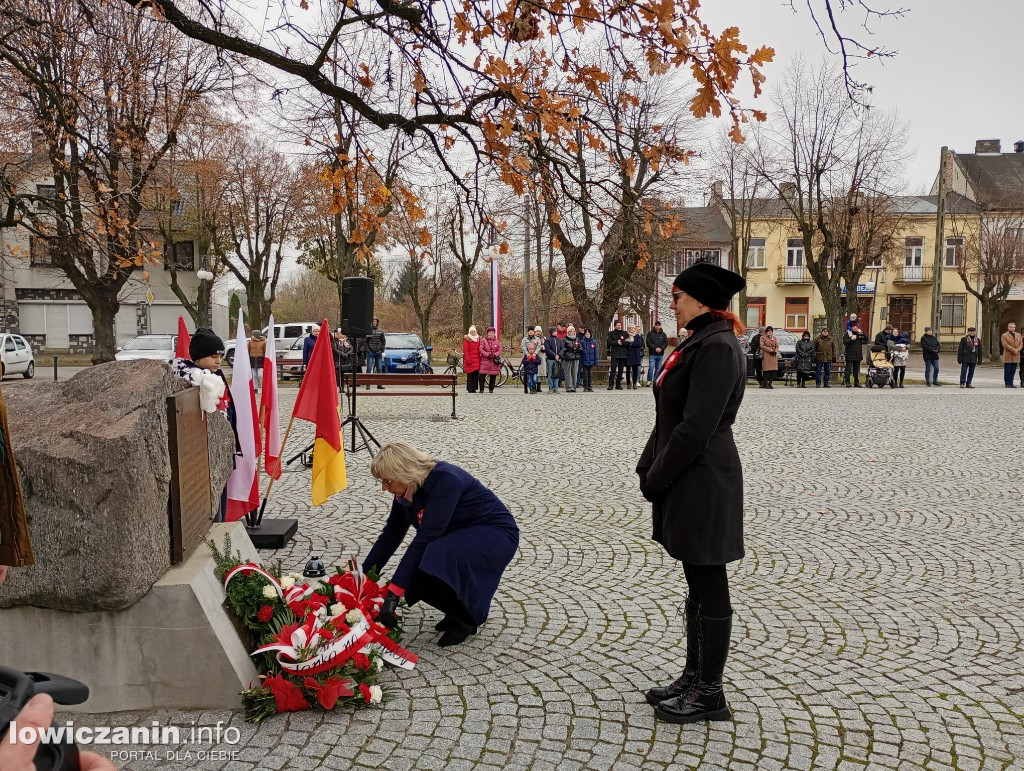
690, 468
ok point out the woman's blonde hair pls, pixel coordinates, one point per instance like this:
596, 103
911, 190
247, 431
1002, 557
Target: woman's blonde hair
401, 462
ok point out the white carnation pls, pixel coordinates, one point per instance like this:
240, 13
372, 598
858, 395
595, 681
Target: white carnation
376, 694
378, 664
287, 582
269, 592
337, 609
297, 577
354, 616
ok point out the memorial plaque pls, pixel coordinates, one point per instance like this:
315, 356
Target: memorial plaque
191, 510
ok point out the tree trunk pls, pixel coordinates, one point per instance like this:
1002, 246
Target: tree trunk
104, 310
991, 311
466, 281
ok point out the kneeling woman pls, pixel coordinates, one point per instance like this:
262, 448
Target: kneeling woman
465, 538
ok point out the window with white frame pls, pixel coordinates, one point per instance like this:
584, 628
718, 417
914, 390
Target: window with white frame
797, 313
913, 252
954, 252
794, 252
755, 254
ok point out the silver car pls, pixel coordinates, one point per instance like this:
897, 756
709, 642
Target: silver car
158, 347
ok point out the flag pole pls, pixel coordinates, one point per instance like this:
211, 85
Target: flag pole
277, 469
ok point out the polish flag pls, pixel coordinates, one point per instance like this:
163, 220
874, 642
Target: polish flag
269, 417
243, 489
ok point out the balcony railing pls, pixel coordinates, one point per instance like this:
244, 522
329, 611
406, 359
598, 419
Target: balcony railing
913, 274
793, 275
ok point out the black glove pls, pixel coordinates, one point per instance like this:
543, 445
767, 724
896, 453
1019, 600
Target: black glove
387, 614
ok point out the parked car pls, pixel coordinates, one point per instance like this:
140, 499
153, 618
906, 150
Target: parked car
289, 361
158, 347
405, 352
284, 336
787, 349
16, 356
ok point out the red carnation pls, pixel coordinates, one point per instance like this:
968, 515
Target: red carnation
288, 695
365, 690
361, 661
265, 614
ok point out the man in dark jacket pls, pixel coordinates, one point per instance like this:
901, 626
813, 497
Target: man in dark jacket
824, 355
554, 346
618, 348
884, 337
375, 343
755, 353
657, 342
968, 356
853, 349
930, 350
307, 346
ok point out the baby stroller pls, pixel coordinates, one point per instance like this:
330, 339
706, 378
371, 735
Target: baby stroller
880, 370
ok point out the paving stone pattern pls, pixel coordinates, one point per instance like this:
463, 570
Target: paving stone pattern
879, 609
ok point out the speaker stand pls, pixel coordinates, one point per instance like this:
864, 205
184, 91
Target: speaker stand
368, 439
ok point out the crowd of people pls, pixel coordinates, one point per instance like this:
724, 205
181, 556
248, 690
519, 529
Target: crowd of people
890, 350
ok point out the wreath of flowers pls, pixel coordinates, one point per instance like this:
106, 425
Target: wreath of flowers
313, 641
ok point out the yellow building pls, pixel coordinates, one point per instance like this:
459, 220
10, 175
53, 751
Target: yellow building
897, 290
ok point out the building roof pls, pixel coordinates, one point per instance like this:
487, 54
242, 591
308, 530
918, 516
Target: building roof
704, 224
907, 204
997, 179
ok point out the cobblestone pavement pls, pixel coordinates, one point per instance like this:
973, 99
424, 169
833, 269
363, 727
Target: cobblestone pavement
879, 609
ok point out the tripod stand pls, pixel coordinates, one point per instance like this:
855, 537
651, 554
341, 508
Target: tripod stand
353, 417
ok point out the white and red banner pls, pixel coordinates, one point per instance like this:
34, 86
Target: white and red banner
243, 489
269, 417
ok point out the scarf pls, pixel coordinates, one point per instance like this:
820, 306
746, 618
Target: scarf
473, 334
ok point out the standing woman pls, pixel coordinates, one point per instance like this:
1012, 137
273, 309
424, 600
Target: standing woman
590, 359
690, 471
804, 363
471, 359
770, 360
634, 357
490, 359
571, 358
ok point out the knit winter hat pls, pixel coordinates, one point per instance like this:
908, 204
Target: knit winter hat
204, 343
710, 284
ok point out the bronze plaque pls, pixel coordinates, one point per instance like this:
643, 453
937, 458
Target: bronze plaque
191, 510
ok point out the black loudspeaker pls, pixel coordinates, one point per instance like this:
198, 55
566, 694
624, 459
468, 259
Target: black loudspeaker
356, 306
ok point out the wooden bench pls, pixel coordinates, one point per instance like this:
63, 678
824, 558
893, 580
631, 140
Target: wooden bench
448, 384
789, 372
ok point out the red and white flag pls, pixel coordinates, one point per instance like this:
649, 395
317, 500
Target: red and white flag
243, 484
269, 417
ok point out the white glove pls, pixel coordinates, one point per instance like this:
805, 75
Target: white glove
211, 391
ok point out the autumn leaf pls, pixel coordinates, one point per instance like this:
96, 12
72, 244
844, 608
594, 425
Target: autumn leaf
419, 83
762, 55
736, 135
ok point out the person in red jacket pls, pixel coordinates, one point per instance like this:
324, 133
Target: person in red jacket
471, 360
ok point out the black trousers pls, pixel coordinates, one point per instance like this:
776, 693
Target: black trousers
758, 372
616, 372
490, 382
709, 588
632, 374
899, 373
472, 381
436, 593
852, 370
587, 371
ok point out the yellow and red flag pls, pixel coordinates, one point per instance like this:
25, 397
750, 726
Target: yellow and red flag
317, 402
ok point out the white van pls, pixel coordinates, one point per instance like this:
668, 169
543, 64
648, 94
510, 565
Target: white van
284, 336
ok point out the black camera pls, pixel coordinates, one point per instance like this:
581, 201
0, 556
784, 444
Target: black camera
17, 688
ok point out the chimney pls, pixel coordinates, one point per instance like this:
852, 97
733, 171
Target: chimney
1018, 147
988, 147
717, 190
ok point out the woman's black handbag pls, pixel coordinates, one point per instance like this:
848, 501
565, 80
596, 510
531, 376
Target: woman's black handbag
556, 370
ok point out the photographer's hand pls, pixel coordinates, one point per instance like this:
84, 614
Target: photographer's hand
37, 714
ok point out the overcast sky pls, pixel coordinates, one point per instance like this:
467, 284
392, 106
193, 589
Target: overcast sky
956, 77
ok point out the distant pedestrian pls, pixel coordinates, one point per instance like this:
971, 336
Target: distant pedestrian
770, 356
571, 355
634, 358
968, 356
803, 363
591, 356
376, 343
1012, 344
853, 349
930, 349
900, 356
307, 347
618, 348
530, 366
657, 342
490, 359
884, 337
471, 360
344, 355
553, 347
824, 356
757, 356
257, 352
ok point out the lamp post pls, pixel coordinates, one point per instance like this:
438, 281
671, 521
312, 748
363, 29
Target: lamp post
204, 275
490, 255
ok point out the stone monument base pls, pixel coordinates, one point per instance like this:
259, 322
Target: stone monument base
175, 648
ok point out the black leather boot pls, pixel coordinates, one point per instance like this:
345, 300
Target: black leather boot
705, 700
682, 684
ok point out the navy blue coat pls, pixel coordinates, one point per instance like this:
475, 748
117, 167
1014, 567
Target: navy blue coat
635, 354
307, 348
465, 536
590, 352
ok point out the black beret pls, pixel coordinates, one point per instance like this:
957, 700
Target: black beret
710, 284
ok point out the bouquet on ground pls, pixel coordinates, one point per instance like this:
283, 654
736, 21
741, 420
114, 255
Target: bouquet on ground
313, 641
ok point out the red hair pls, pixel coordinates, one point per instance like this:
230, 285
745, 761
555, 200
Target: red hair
737, 325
